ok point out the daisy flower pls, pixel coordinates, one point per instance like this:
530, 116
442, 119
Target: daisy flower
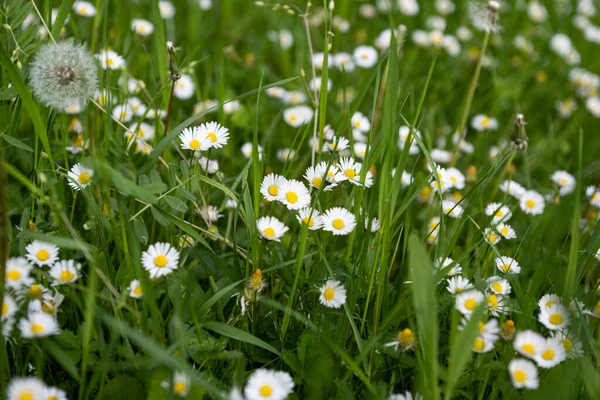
500, 212
65, 271
565, 181
310, 217
495, 305
160, 259
466, 302
49, 303
405, 137
265, 384
343, 62
17, 273
181, 384
214, 134
333, 294
555, 317
506, 231
482, 344
41, 253
142, 130
499, 286
547, 300
80, 177
122, 112
286, 154
484, 16
142, 27
271, 228
135, 289
405, 339
512, 188
458, 284
508, 265
84, 8
34, 291
491, 236
315, 175
551, 354
572, 345
294, 195
360, 122
452, 209
248, 148
53, 393
337, 144
532, 203
167, 10
25, 388
38, 325
350, 170
339, 221
523, 374
193, 139
110, 60
79, 144
365, 56
456, 178
184, 87
271, 186
9, 307
209, 166
297, 116
528, 343
482, 122
209, 213
444, 263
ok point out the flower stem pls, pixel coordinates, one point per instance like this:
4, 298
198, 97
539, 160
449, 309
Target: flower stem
465, 115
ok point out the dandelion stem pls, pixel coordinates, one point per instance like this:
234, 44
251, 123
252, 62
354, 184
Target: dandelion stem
470, 94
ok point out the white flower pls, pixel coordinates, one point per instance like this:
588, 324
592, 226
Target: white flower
444, 7
284, 38
365, 56
440, 156
65, 271
41, 253
458, 284
464, 34
508, 265
532, 202
184, 87
193, 139
343, 62
528, 343
138, 107
110, 60
297, 116
498, 285
84, 8
53, 393
491, 236
80, 177
271, 186
467, 301
408, 7
350, 171
551, 354
482, 122
555, 317
512, 188
271, 228
333, 294
166, 8
565, 181
495, 305
315, 84
537, 12
452, 209
231, 106
210, 213
248, 148
523, 374
566, 107
25, 388
265, 384
142, 27
405, 136
294, 97
17, 273
593, 106
360, 122
214, 134
122, 112
181, 384
338, 143
573, 346
547, 300
500, 212
286, 154
506, 231
310, 217
445, 262
9, 308
294, 195
38, 324
160, 259
141, 130
339, 221
135, 289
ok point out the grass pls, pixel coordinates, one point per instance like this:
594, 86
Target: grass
237, 302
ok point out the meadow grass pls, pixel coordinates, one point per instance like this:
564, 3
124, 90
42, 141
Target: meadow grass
470, 110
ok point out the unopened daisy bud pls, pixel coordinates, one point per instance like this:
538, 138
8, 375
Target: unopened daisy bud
63, 74
291, 12
32, 228
259, 3
255, 282
508, 330
302, 73
42, 177
406, 338
331, 5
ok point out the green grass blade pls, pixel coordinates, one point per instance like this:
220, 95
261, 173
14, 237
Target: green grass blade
238, 334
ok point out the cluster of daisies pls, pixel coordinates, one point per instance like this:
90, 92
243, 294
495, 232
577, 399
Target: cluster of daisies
32, 290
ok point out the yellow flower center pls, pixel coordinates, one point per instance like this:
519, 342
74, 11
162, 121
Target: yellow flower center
212, 136
309, 221
35, 290
528, 348
48, 307
548, 355
52, 398
317, 181
470, 304
485, 122
37, 328
350, 173
78, 141
140, 132
273, 190
549, 303
357, 124
504, 230
179, 388
520, 376
556, 319
137, 291
83, 178
481, 327
270, 232
66, 276
459, 290
292, 118
265, 390
110, 62
43, 255
492, 238
160, 261
530, 203
492, 301
338, 223
505, 268
13, 275
328, 294
4, 309
568, 344
499, 213
563, 181
479, 344
195, 144
497, 286
26, 396
406, 337
291, 197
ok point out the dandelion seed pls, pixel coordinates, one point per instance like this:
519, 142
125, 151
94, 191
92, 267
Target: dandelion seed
63, 74
484, 16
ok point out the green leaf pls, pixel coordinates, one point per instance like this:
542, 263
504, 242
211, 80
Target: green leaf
63, 13
123, 387
425, 310
140, 231
216, 297
176, 203
591, 378
60, 241
61, 357
238, 334
17, 143
159, 216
